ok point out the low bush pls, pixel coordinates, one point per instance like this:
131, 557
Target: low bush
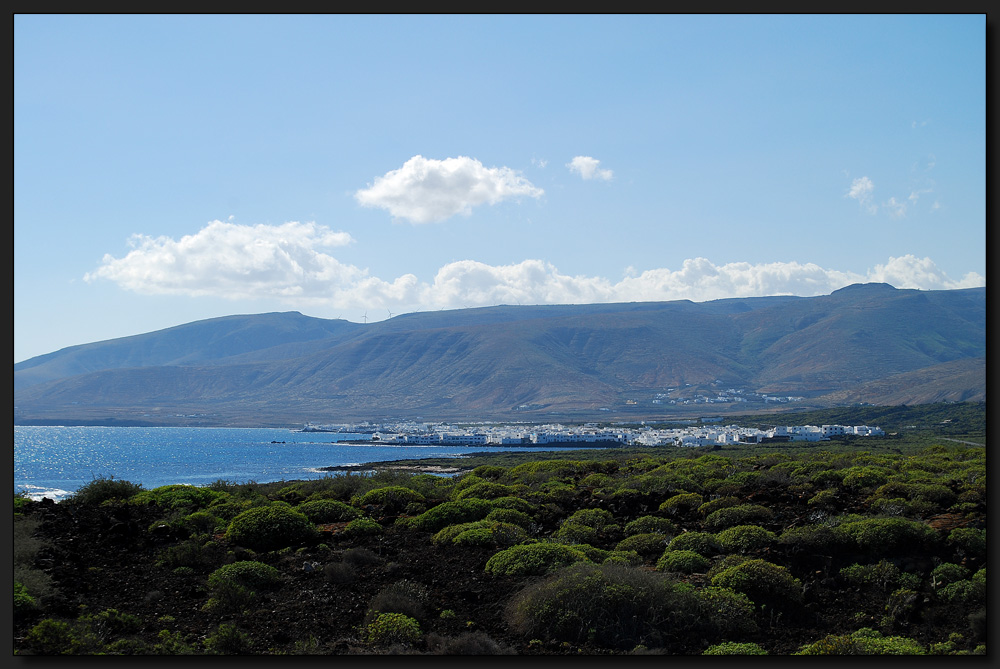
609, 605
362, 527
745, 539
865, 641
104, 489
681, 505
270, 527
512, 516
481, 533
948, 572
683, 562
405, 596
734, 648
883, 574
704, 543
390, 500
327, 511
741, 514
489, 490
228, 640
968, 542
622, 607
179, 497
532, 559
816, 539
389, 629
450, 513
765, 583
648, 545
887, 536
713, 505
650, 524
247, 573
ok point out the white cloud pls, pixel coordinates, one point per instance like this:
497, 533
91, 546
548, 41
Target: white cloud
424, 190
587, 168
230, 260
861, 190
285, 263
896, 209
921, 273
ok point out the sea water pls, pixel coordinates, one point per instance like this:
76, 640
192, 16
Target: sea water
56, 461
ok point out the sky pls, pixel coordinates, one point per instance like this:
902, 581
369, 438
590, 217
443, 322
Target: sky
173, 168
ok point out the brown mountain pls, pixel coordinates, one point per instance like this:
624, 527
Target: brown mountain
530, 362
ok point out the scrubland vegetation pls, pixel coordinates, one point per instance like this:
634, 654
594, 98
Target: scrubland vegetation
814, 549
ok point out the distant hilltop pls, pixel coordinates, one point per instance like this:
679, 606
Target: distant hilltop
866, 343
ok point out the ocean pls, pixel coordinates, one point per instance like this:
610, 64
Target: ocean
56, 461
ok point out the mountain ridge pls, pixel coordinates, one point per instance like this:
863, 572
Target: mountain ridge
593, 361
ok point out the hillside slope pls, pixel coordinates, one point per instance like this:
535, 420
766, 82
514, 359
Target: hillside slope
586, 360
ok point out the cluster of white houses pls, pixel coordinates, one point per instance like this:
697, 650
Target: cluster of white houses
643, 436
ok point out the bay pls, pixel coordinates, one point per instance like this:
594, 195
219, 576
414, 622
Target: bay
56, 461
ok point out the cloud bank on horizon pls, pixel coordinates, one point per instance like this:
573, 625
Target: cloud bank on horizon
288, 262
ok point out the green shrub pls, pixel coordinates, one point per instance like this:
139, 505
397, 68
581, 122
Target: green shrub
865, 641
969, 592
621, 607
596, 518
683, 561
887, 536
516, 503
405, 596
948, 572
23, 601
812, 538
361, 527
179, 497
650, 524
248, 573
57, 637
577, 533
451, 513
968, 542
532, 559
391, 499
649, 545
734, 648
104, 489
741, 514
683, 504
883, 574
745, 538
490, 472
704, 543
865, 476
824, 499
609, 605
488, 490
201, 522
112, 623
482, 533
393, 628
714, 505
265, 528
766, 584
192, 552
512, 516
228, 640
321, 511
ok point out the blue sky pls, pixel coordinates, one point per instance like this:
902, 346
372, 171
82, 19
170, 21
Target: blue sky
173, 168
